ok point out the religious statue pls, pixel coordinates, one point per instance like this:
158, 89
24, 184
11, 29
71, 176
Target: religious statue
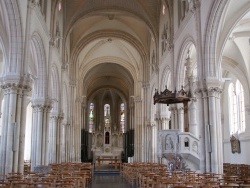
169, 143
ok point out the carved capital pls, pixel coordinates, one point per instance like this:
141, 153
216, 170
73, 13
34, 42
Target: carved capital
65, 66
137, 99
41, 104
80, 99
145, 85
215, 91
152, 124
72, 83
181, 109
34, 3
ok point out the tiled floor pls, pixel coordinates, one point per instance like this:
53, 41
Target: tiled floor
109, 181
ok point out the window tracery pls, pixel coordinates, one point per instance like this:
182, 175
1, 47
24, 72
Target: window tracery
91, 117
236, 108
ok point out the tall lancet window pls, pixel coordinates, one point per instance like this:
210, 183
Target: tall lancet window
236, 108
106, 110
91, 117
122, 118
241, 106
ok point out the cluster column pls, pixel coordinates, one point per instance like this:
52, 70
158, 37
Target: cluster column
210, 133
56, 136
13, 126
40, 132
174, 116
138, 129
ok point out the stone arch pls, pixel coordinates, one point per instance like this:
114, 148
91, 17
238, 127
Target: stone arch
55, 88
134, 73
212, 34
129, 9
231, 66
180, 70
153, 108
57, 24
4, 40
164, 79
14, 30
65, 102
108, 33
41, 80
2, 57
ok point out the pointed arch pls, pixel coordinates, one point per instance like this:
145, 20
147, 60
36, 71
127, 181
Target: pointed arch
65, 101
55, 88
40, 64
180, 70
13, 18
210, 67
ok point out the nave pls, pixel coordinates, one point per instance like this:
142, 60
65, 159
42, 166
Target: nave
110, 181
129, 175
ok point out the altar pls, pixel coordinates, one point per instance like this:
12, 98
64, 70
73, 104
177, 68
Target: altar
107, 144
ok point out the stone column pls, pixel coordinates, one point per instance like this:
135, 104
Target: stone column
13, 126
63, 142
137, 129
215, 129
60, 138
70, 140
149, 143
154, 141
201, 95
22, 112
72, 112
181, 117
66, 141
78, 105
174, 116
40, 132
193, 128
52, 141
165, 122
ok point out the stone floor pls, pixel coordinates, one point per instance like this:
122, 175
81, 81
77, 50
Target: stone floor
109, 181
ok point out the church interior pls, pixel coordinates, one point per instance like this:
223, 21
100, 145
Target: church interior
157, 91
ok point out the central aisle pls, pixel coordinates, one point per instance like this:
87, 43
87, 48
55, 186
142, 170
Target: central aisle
109, 181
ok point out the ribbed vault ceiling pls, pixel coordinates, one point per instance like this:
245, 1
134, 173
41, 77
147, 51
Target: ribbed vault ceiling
107, 29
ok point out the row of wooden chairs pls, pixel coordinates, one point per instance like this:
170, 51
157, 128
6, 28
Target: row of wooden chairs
71, 175
242, 170
149, 175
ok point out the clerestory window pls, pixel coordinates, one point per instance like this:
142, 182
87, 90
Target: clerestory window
236, 108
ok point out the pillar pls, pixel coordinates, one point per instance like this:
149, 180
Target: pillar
138, 129
193, 127
52, 141
13, 126
181, 117
40, 132
215, 129
165, 123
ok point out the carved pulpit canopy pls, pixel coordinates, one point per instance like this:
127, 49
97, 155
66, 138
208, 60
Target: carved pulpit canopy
169, 97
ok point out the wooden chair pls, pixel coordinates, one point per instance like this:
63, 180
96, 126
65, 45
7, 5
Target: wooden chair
229, 185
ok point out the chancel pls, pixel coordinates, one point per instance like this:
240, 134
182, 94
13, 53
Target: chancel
131, 93
107, 140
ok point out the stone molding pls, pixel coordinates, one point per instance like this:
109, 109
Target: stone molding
145, 85
15, 87
137, 99
41, 104
58, 116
